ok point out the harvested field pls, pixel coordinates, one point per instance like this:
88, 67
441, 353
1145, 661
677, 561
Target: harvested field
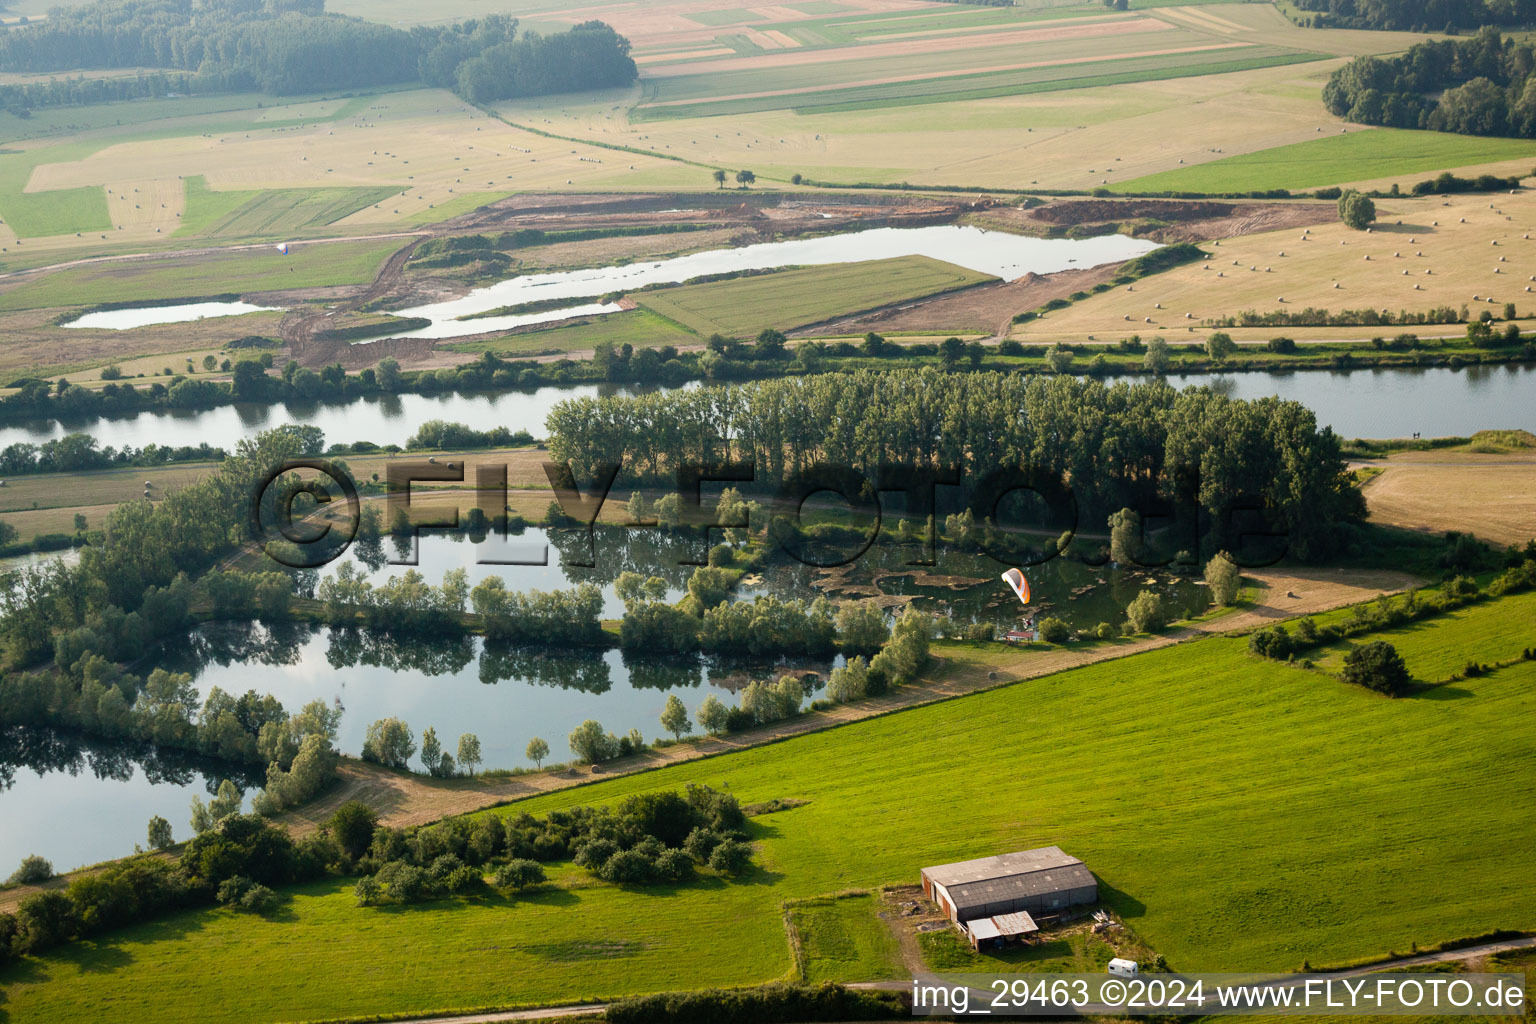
1490, 496
1465, 250
988, 309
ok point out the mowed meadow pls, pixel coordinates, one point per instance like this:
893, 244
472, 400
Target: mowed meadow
1240, 815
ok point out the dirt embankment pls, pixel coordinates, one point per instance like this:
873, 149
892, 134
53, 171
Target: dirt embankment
1161, 220
989, 308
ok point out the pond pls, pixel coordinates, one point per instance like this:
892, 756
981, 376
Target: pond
145, 316
79, 802
963, 586
998, 253
504, 695
1397, 402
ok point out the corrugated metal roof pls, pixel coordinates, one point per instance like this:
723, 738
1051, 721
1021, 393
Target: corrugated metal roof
1017, 923
1000, 866
1010, 876
982, 929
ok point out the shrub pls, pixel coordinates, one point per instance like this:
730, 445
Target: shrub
519, 873
731, 857
1054, 630
1273, 642
259, 899
33, 869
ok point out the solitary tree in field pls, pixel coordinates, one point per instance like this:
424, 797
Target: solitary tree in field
1377, 666
1145, 613
469, 752
431, 750
745, 178
712, 715
537, 751
1220, 346
951, 351
720, 177
1222, 577
388, 742
1356, 210
159, 833
353, 826
1156, 359
674, 718
592, 744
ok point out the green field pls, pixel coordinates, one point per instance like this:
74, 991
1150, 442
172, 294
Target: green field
638, 327
246, 214
793, 298
1360, 155
841, 939
39, 214
1239, 814
180, 277
1435, 652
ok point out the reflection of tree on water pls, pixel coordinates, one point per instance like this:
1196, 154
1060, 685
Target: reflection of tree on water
645, 550
229, 643
48, 750
574, 670
437, 656
660, 672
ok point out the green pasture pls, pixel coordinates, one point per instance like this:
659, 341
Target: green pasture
178, 277
1434, 651
58, 212
842, 939
792, 298
1239, 814
638, 327
271, 212
1359, 155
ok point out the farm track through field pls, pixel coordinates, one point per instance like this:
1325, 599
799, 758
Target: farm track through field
1470, 953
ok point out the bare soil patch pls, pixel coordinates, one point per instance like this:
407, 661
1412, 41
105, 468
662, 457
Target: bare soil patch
1492, 497
988, 308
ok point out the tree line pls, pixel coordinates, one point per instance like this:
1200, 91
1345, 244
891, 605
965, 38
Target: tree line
285, 47
1485, 85
1419, 15
1113, 446
73, 453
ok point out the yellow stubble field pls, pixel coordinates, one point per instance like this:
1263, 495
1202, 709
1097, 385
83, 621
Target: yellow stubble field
1472, 250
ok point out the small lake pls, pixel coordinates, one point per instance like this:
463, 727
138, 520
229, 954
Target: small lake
79, 802
505, 696
147, 316
998, 253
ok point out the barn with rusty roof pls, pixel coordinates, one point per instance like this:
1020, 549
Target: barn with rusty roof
995, 891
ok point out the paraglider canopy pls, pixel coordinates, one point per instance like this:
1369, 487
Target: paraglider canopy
1015, 579
282, 247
